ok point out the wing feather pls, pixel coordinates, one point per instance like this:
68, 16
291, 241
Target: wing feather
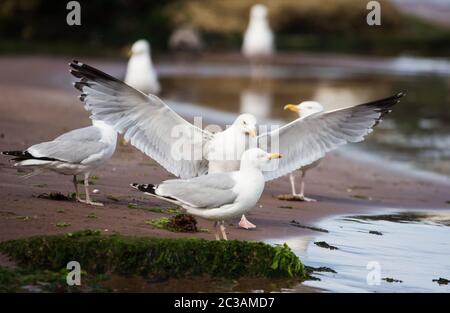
145, 120
308, 139
77, 152
203, 192
89, 133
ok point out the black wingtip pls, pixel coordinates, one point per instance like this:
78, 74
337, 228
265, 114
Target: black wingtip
16, 153
149, 188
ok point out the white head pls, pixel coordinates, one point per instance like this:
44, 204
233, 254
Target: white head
258, 12
140, 47
305, 108
257, 158
246, 123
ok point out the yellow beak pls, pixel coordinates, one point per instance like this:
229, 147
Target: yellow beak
129, 53
275, 156
292, 107
252, 133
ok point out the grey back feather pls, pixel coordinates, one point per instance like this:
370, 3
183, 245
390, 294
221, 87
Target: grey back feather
68, 151
89, 133
204, 192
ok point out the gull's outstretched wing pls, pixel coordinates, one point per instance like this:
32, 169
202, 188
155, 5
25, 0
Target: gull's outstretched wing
146, 121
307, 139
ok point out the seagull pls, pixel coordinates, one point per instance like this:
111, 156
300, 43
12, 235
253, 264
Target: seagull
218, 196
77, 152
140, 71
182, 148
258, 38
303, 109
155, 129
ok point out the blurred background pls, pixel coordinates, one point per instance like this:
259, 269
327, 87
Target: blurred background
325, 51
415, 27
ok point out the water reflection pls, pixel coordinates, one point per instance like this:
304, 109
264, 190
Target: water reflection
118, 283
257, 102
412, 247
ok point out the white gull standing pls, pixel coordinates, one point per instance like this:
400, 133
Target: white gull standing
77, 152
218, 196
258, 38
140, 71
303, 109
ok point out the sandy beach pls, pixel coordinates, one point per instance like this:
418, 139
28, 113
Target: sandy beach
38, 103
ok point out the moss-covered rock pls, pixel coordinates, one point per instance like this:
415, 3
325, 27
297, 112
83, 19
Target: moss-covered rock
162, 257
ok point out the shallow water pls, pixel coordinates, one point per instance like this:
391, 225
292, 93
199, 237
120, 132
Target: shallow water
416, 133
117, 283
412, 247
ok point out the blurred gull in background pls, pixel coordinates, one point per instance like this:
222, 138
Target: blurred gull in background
140, 71
186, 38
257, 102
258, 38
258, 42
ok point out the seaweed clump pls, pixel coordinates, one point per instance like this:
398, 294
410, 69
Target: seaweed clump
184, 223
155, 257
442, 281
57, 196
325, 245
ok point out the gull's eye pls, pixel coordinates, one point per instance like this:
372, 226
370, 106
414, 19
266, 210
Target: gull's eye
245, 123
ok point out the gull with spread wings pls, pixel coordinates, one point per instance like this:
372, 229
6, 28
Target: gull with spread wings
148, 123
182, 148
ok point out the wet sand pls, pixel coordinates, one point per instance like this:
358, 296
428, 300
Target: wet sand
37, 103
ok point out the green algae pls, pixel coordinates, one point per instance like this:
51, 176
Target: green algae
57, 196
154, 257
62, 224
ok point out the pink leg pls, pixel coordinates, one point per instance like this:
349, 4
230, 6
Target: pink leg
244, 223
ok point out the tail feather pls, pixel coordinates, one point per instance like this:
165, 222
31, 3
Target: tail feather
148, 188
25, 155
18, 154
30, 162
